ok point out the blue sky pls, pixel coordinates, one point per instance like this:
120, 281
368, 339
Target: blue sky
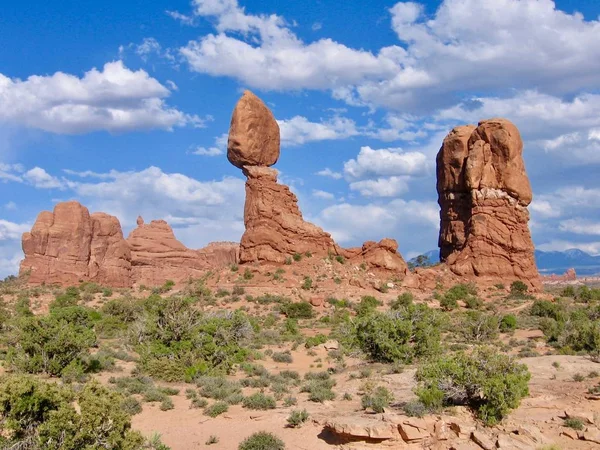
124, 107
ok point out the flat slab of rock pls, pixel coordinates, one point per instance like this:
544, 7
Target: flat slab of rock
362, 427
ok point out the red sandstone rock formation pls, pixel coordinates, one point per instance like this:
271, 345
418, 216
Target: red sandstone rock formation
157, 256
569, 275
483, 192
68, 246
253, 134
275, 228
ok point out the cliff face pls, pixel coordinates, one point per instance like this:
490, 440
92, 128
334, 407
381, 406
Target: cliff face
68, 246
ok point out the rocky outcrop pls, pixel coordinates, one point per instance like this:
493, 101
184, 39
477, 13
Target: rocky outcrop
275, 229
253, 134
483, 192
157, 256
69, 246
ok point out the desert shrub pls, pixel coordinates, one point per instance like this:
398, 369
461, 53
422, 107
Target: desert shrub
176, 342
69, 298
262, 440
415, 408
490, 383
479, 327
248, 275
166, 404
282, 357
307, 284
297, 257
448, 303
545, 308
508, 323
37, 414
473, 302
259, 401
46, 344
298, 310
404, 300
377, 400
219, 388
402, 335
238, 290
313, 341
574, 422
216, 409
319, 387
367, 305
131, 406
297, 418
518, 289
568, 291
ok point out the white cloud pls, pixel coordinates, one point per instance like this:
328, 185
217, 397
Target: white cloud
327, 172
322, 194
386, 162
10, 206
316, 26
381, 187
219, 147
580, 226
299, 130
10, 246
115, 99
352, 224
11, 172
544, 208
481, 44
41, 179
11, 231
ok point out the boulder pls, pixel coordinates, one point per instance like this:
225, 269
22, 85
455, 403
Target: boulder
483, 192
253, 134
382, 255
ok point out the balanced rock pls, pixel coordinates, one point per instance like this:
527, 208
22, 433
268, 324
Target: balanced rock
253, 134
483, 192
68, 246
275, 229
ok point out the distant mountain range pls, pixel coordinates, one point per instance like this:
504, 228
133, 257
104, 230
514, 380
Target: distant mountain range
550, 262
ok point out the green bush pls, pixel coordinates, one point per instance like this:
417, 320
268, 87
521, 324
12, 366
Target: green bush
297, 418
216, 409
492, 384
307, 284
479, 327
313, 341
46, 344
367, 305
166, 404
218, 388
262, 440
402, 335
377, 400
259, 401
282, 357
318, 387
518, 289
298, 310
508, 323
37, 414
131, 406
448, 303
404, 300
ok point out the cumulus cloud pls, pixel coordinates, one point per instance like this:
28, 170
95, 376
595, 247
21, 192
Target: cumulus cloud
580, 226
327, 172
350, 224
322, 194
41, 179
217, 149
299, 130
10, 246
386, 162
381, 187
523, 43
115, 99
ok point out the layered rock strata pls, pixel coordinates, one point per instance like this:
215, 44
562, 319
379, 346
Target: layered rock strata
483, 192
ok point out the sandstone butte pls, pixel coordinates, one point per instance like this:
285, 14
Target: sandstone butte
70, 245
483, 192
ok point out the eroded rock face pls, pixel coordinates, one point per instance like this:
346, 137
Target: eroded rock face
275, 229
253, 134
68, 246
382, 255
157, 256
483, 192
